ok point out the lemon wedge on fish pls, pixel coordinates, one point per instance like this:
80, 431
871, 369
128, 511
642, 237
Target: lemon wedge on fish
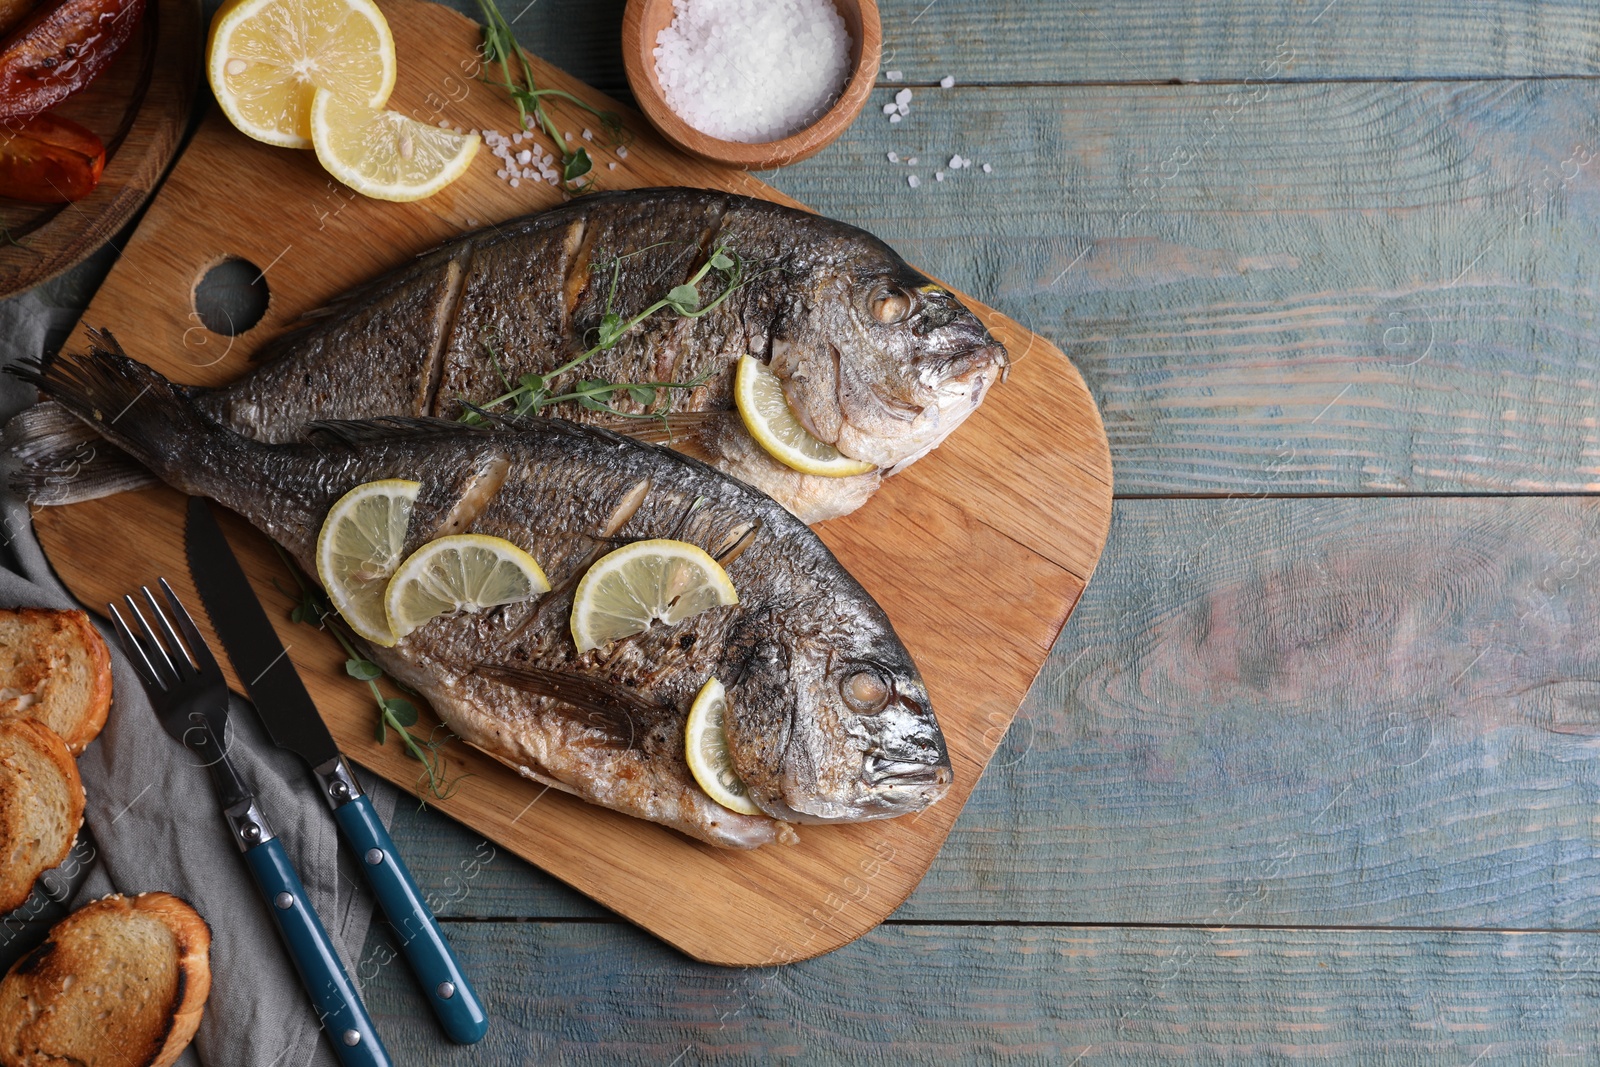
384, 154
758, 395
705, 745
463, 572
648, 581
359, 548
266, 58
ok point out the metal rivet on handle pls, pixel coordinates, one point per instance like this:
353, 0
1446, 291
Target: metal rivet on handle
446, 990
374, 856
351, 1037
250, 832
284, 901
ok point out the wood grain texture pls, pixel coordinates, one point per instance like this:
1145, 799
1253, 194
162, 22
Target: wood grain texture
1335, 288
1001, 42
1288, 712
139, 107
1025, 488
581, 994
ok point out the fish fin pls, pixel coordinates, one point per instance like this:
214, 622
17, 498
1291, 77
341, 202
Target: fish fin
615, 710
126, 403
62, 461
371, 431
673, 430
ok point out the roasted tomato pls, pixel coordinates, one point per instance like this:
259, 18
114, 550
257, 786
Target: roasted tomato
48, 160
60, 50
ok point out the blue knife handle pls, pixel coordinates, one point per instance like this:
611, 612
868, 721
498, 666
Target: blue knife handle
448, 991
344, 1017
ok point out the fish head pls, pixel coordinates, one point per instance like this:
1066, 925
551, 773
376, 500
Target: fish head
845, 735
886, 363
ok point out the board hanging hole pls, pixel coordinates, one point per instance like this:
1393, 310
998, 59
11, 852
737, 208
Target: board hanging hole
230, 297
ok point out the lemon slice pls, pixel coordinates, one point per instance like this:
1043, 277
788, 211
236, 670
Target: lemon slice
359, 547
759, 397
385, 154
265, 59
464, 572
628, 589
705, 744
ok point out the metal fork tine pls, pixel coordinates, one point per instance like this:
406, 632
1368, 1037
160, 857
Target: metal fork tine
184, 666
130, 644
170, 677
198, 649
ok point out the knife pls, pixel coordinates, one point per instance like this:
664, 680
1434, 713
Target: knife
262, 664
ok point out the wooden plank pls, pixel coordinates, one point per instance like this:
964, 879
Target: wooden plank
1327, 712
1036, 521
1335, 288
1010, 41
601, 994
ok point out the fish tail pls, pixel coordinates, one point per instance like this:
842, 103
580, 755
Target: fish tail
152, 424
62, 461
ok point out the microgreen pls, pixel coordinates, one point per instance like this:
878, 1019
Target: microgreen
395, 713
516, 78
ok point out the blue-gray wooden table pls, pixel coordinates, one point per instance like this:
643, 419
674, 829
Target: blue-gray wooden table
1311, 773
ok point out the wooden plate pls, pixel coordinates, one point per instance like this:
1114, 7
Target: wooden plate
139, 107
978, 552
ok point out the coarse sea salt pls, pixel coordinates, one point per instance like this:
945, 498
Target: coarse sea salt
752, 70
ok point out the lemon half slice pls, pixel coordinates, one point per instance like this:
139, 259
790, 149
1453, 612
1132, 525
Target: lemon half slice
265, 59
384, 154
359, 548
705, 745
759, 397
648, 581
463, 572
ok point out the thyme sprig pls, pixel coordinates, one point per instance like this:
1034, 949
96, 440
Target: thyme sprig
531, 393
395, 713
516, 78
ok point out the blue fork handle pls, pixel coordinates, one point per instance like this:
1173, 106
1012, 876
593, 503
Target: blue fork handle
344, 1017
446, 987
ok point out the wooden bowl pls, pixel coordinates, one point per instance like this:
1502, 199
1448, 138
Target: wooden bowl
644, 20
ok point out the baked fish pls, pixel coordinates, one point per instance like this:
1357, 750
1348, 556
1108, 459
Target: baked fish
874, 357
828, 720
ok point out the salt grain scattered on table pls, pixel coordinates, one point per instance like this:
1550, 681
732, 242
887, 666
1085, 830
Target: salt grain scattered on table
987, 169
622, 153
938, 176
894, 118
894, 75
911, 162
888, 109
588, 135
913, 181
894, 157
752, 70
947, 82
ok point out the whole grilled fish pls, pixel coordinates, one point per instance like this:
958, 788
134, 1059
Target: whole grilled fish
875, 358
828, 719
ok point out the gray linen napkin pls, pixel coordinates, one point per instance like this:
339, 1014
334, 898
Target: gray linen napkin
156, 823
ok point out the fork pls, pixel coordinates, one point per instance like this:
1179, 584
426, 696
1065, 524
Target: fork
190, 698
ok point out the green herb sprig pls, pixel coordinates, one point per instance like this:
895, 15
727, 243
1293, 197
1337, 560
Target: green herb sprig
516, 78
531, 392
397, 713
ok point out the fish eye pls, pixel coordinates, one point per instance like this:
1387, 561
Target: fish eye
866, 690
891, 305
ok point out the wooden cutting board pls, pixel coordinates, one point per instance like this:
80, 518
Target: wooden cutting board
977, 552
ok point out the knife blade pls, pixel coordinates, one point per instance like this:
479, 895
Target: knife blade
262, 663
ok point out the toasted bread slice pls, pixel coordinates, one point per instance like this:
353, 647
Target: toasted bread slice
121, 982
54, 668
41, 806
